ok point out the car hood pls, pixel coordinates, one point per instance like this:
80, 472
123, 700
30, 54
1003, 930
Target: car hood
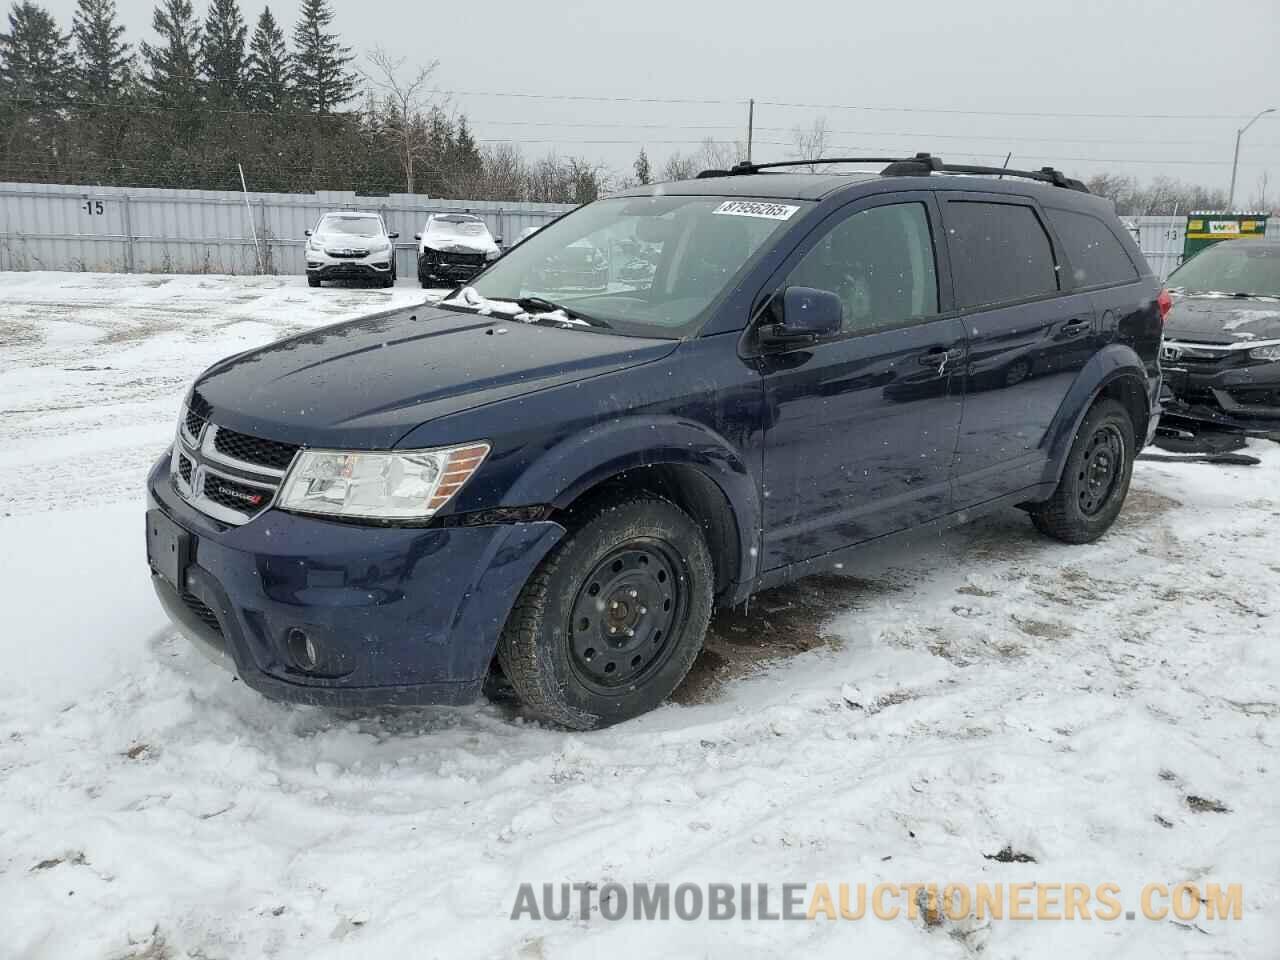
346, 241
365, 383
458, 244
1223, 319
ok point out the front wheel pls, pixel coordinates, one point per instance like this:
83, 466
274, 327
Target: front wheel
611, 622
1095, 480
313, 281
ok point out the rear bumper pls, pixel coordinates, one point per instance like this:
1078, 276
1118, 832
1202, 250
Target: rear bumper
398, 615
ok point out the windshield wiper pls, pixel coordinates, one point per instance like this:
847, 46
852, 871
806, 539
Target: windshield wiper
541, 305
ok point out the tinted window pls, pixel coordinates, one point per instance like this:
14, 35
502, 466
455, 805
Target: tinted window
879, 262
1096, 255
999, 252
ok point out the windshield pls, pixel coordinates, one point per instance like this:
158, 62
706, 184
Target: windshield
645, 265
456, 227
1232, 267
351, 226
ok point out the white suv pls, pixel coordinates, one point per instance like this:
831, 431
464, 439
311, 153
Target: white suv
453, 248
351, 245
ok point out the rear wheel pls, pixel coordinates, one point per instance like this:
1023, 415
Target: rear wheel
1095, 480
610, 623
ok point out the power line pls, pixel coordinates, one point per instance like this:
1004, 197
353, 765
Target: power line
712, 101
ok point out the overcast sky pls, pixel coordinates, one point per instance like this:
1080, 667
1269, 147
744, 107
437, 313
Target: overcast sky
968, 81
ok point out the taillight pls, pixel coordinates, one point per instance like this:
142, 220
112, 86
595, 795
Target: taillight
1165, 303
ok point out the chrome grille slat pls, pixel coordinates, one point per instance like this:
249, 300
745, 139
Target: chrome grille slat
197, 459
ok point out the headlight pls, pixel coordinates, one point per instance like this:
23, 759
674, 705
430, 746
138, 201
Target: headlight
381, 246
492, 254
1265, 353
400, 485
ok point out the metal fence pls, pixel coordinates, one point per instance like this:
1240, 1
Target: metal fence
125, 229
139, 230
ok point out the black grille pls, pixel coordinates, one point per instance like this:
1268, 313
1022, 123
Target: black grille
194, 424
184, 469
463, 259
202, 610
235, 496
347, 254
263, 453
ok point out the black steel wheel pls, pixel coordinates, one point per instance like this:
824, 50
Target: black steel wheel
1100, 468
628, 614
1095, 479
611, 621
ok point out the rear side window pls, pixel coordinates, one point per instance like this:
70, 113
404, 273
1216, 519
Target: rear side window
1096, 255
999, 252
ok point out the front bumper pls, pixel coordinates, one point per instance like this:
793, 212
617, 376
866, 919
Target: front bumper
399, 615
1248, 391
433, 265
338, 268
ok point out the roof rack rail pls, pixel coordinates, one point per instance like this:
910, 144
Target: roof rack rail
922, 164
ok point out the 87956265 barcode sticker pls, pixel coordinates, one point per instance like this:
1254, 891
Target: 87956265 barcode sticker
756, 208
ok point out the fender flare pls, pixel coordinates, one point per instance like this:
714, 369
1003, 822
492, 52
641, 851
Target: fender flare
1112, 363
577, 463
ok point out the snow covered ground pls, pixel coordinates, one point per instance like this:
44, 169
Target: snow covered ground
941, 702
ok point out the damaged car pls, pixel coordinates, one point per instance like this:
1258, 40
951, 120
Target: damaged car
453, 248
1221, 352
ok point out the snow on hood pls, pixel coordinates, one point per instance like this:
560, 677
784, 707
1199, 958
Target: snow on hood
1222, 319
449, 237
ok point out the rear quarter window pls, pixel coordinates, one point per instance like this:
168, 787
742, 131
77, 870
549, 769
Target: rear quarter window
1000, 252
1096, 255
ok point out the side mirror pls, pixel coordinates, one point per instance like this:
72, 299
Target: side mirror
498, 239
394, 236
306, 233
417, 236
808, 315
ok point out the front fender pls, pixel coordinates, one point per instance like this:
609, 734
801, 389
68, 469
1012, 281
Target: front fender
578, 463
1110, 364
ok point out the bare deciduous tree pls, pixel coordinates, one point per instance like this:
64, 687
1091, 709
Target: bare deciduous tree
810, 144
680, 167
1262, 194
405, 100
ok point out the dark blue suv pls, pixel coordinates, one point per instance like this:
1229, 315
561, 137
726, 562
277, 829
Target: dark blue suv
557, 485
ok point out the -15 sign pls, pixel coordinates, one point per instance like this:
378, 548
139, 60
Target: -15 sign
92, 207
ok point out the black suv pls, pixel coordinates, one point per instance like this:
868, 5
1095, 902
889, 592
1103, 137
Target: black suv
559, 485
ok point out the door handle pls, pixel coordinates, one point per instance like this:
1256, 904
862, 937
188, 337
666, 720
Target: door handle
1076, 326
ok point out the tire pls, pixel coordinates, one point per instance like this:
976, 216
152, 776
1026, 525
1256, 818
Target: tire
313, 281
638, 564
1095, 480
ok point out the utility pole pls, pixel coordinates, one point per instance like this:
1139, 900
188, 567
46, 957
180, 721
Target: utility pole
1235, 163
751, 118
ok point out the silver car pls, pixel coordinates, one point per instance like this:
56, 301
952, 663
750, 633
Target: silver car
351, 246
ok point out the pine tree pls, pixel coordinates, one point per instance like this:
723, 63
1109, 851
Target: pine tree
35, 59
222, 56
104, 62
268, 66
644, 174
320, 75
173, 65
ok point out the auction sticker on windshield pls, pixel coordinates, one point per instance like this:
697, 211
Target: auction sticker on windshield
754, 208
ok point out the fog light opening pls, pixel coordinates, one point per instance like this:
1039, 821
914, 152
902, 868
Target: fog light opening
303, 649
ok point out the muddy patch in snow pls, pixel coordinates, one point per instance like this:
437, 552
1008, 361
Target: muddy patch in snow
775, 623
